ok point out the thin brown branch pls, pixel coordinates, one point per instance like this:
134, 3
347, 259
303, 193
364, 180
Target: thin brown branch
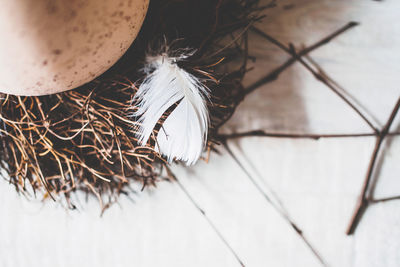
203, 213
338, 87
319, 76
262, 133
273, 75
362, 202
386, 199
279, 208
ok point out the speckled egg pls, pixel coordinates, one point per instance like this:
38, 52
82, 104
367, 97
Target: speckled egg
50, 46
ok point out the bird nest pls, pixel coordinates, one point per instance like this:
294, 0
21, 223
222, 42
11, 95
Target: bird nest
83, 140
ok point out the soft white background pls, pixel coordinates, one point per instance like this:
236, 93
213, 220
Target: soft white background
316, 181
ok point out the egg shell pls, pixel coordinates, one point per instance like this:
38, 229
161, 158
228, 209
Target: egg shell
50, 46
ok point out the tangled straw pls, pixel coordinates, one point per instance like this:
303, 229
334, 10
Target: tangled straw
84, 140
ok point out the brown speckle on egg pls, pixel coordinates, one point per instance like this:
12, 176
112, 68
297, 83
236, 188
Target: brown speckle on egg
57, 51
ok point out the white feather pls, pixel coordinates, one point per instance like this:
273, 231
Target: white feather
184, 133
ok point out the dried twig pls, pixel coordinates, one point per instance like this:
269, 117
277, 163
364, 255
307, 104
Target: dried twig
321, 76
272, 76
279, 208
262, 133
386, 199
362, 202
298, 56
172, 176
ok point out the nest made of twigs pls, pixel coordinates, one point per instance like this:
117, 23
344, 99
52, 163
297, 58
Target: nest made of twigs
84, 140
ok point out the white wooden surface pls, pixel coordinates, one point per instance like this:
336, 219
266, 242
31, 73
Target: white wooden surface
316, 181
